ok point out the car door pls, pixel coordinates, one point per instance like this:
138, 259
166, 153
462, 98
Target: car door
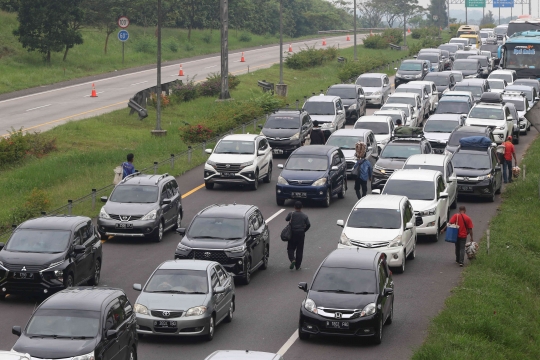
111, 347
340, 114
124, 328
338, 179
167, 209
442, 204
255, 242
218, 299
434, 96
305, 129
407, 215
497, 170
386, 86
84, 261
264, 155
177, 196
509, 121
226, 282
386, 301
375, 149
451, 186
361, 102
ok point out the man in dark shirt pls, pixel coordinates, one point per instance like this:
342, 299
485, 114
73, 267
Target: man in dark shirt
299, 225
317, 135
128, 168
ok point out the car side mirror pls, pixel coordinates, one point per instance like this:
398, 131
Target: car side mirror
219, 290
494, 144
104, 199
137, 287
340, 112
370, 148
111, 334
2, 245
536, 98
260, 126
181, 231
166, 202
334, 168
302, 286
376, 191
409, 226
255, 233
395, 68
208, 151
388, 291
79, 249
260, 153
498, 167
16, 330
280, 166
340, 223
443, 195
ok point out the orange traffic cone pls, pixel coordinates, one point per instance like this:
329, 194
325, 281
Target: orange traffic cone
348, 38
290, 48
323, 42
181, 73
94, 93
409, 30
242, 59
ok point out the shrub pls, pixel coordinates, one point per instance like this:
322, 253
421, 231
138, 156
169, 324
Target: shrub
186, 92
417, 33
488, 26
36, 202
189, 46
310, 57
454, 28
173, 46
353, 69
393, 36
192, 134
207, 38
145, 45
376, 42
19, 145
165, 100
244, 37
212, 85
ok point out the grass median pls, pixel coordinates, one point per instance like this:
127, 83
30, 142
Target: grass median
495, 312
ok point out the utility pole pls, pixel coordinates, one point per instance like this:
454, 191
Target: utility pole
281, 88
224, 7
158, 131
354, 13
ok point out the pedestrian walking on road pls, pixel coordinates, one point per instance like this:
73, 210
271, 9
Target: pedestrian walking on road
465, 228
398, 123
364, 171
299, 225
128, 168
509, 152
317, 135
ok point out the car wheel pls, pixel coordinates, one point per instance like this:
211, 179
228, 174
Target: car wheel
492, 196
178, 221
255, 184
516, 140
2, 296
280, 202
132, 354
328, 197
265, 258
68, 282
208, 185
454, 203
436, 236
246, 279
341, 194
94, 281
158, 233
528, 126
390, 317
401, 269
377, 338
412, 254
230, 314
211, 329
268, 176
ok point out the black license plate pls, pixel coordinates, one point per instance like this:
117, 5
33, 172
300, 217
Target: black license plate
277, 151
23, 275
337, 325
299, 194
227, 174
164, 324
124, 226
465, 188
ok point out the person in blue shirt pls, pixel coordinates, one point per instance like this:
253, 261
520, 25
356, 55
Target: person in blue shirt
364, 175
128, 168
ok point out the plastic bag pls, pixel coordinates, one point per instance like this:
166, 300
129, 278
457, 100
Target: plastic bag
471, 249
516, 171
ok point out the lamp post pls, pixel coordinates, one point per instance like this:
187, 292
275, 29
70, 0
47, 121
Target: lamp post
354, 13
281, 88
158, 131
224, 7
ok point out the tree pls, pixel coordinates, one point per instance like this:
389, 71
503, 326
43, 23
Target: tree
371, 13
49, 26
406, 9
488, 19
9, 5
437, 8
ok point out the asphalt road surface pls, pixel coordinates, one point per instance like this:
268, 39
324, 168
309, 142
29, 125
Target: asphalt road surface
266, 318
44, 110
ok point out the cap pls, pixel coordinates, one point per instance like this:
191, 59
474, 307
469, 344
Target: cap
509, 138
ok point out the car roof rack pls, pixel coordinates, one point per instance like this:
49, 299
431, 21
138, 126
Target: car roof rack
161, 177
137, 173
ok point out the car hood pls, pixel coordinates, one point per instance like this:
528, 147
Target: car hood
349, 153
341, 301
323, 118
382, 137
161, 301
408, 73
391, 163
471, 172
437, 137
202, 243
232, 158
484, 122
348, 102
421, 205
441, 88
279, 133
302, 175
54, 348
129, 208
371, 235
24, 259
498, 91
469, 72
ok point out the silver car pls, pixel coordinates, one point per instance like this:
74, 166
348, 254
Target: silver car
243, 355
376, 87
185, 298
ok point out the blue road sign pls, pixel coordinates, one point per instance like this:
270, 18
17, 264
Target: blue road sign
503, 3
123, 35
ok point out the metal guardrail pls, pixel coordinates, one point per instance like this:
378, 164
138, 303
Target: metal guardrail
350, 31
139, 102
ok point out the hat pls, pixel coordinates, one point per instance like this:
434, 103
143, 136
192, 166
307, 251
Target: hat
509, 138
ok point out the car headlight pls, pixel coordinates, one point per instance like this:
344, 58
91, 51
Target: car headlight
369, 309
84, 357
246, 164
319, 182
327, 125
380, 169
428, 212
352, 107
310, 306
241, 248
150, 216
281, 180
103, 214
418, 76
141, 309
484, 177
344, 240
295, 136
59, 274
398, 75
396, 242
196, 311
378, 92
211, 163
502, 127
182, 247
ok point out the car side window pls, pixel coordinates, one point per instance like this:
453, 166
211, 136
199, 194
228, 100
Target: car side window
174, 187
221, 274
336, 160
494, 159
428, 148
165, 193
259, 218
115, 316
77, 237
438, 186
126, 305
84, 234
254, 222
382, 279
214, 279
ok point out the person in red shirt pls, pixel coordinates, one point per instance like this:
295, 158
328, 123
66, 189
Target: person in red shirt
509, 152
465, 228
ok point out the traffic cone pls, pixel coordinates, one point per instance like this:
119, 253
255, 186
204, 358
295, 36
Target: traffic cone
181, 73
242, 59
348, 38
409, 30
94, 93
323, 42
290, 48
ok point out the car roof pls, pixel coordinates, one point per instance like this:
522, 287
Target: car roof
373, 118
458, 93
226, 210
143, 179
343, 86
413, 61
450, 98
439, 117
372, 75
426, 159
352, 259
501, 72
286, 111
241, 354
61, 222
186, 265
414, 175
438, 74
81, 298
466, 60
414, 95
472, 129
496, 79
380, 202
323, 98
519, 87
315, 150
241, 137
475, 82
388, 111
350, 132
411, 85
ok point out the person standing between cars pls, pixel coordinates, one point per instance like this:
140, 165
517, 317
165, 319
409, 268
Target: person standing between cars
317, 135
365, 172
465, 228
509, 152
398, 123
299, 225
128, 168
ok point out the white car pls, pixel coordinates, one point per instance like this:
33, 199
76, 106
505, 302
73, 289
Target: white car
466, 94
412, 99
382, 223
328, 110
497, 85
425, 190
406, 108
509, 75
497, 116
522, 105
394, 114
346, 140
438, 128
421, 91
432, 91
376, 87
381, 126
239, 159
13, 355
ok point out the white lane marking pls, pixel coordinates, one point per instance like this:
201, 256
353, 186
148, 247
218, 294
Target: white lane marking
288, 344
274, 216
100, 92
208, 67
142, 82
39, 107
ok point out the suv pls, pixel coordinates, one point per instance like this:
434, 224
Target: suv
496, 116
528, 91
470, 68
346, 140
521, 105
328, 111
396, 115
81, 323
438, 129
497, 85
352, 294
141, 206
485, 64
49, 254
459, 105
436, 59
407, 109
432, 92
381, 126
509, 75
353, 98
413, 99
466, 131
239, 159
287, 130
376, 87
410, 70
236, 236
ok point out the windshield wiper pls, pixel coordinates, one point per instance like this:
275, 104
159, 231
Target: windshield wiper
232, 238
465, 167
393, 157
170, 292
206, 237
373, 227
194, 292
51, 336
337, 291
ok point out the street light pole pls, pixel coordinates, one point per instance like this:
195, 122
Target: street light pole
224, 7
281, 41
158, 131
354, 13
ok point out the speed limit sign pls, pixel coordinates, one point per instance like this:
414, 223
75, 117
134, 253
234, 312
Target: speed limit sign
123, 22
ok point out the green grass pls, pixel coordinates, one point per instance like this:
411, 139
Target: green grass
495, 312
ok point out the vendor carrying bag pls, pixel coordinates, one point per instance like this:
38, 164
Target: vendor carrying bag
451, 233
356, 170
286, 233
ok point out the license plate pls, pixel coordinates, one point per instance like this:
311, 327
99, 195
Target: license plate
165, 324
23, 275
227, 174
465, 188
299, 194
277, 151
124, 226
337, 325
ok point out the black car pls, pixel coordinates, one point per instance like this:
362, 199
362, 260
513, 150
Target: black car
352, 294
466, 131
443, 81
286, 130
353, 98
470, 68
143, 206
49, 254
410, 70
81, 323
478, 172
236, 236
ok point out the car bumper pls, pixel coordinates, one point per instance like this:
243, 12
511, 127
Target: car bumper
399, 81
428, 227
499, 136
41, 284
232, 262
141, 228
482, 188
212, 176
378, 180
317, 325
190, 326
394, 254
317, 193
374, 99
351, 114
284, 146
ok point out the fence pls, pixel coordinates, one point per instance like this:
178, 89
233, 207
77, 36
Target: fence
350, 31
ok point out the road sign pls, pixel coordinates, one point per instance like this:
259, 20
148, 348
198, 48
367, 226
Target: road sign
475, 3
503, 3
123, 35
123, 22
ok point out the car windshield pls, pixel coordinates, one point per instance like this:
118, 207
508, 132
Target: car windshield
178, 281
282, 122
344, 93
433, 58
461, 56
345, 280
465, 65
536, 85
440, 126
406, 109
216, 228
412, 189
519, 104
139, 194
235, 147
471, 161
484, 35
438, 79
527, 93
449, 48
493, 84
400, 151
39, 241
378, 128
458, 76
369, 82
374, 218
320, 108
474, 90
493, 49
409, 90
344, 142
459, 41
500, 30
507, 77
452, 107
424, 167
487, 113
401, 100
410, 67
394, 117
64, 323
307, 163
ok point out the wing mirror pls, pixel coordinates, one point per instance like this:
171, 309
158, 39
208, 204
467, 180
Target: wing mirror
334, 168
260, 126
255, 233
79, 249
452, 178
111, 334
302, 286
260, 153
409, 226
443, 195
166, 201
104, 199
137, 287
208, 151
376, 191
219, 290
16, 330
2, 245
388, 291
181, 231
340, 223
280, 166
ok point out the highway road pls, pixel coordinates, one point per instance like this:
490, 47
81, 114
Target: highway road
267, 309
46, 109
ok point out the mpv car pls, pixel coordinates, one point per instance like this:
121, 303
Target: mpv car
485, 64
529, 82
496, 116
407, 109
81, 323
431, 90
458, 75
394, 114
410, 70
239, 159
418, 89
521, 105
49, 254
438, 128
236, 236
466, 131
509, 75
437, 62
443, 81
529, 91
381, 126
382, 223
353, 98
352, 294
459, 105
470, 68
141, 206
315, 172
185, 298
376, 87
497, 85
346, 140
287, 130
420, 112
451, 48
328, 111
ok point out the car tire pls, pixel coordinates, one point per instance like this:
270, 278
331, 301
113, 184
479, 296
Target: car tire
390, 318
268, 176
246, 279
103, 237
68, 281
302, 335
157, 236
2, 296
266, 257
230, 314
401, 269
453, 205
211, 329
341, 194
255, 184
516, 140
208, 185
377, 338
436, 236
492, 196
178, 223
328, 199
280, 202
94, 281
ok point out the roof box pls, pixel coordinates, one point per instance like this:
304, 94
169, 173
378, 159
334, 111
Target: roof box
475, 142
491, 97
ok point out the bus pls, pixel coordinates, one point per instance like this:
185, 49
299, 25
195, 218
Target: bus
521, 53
468, 30
524, 24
